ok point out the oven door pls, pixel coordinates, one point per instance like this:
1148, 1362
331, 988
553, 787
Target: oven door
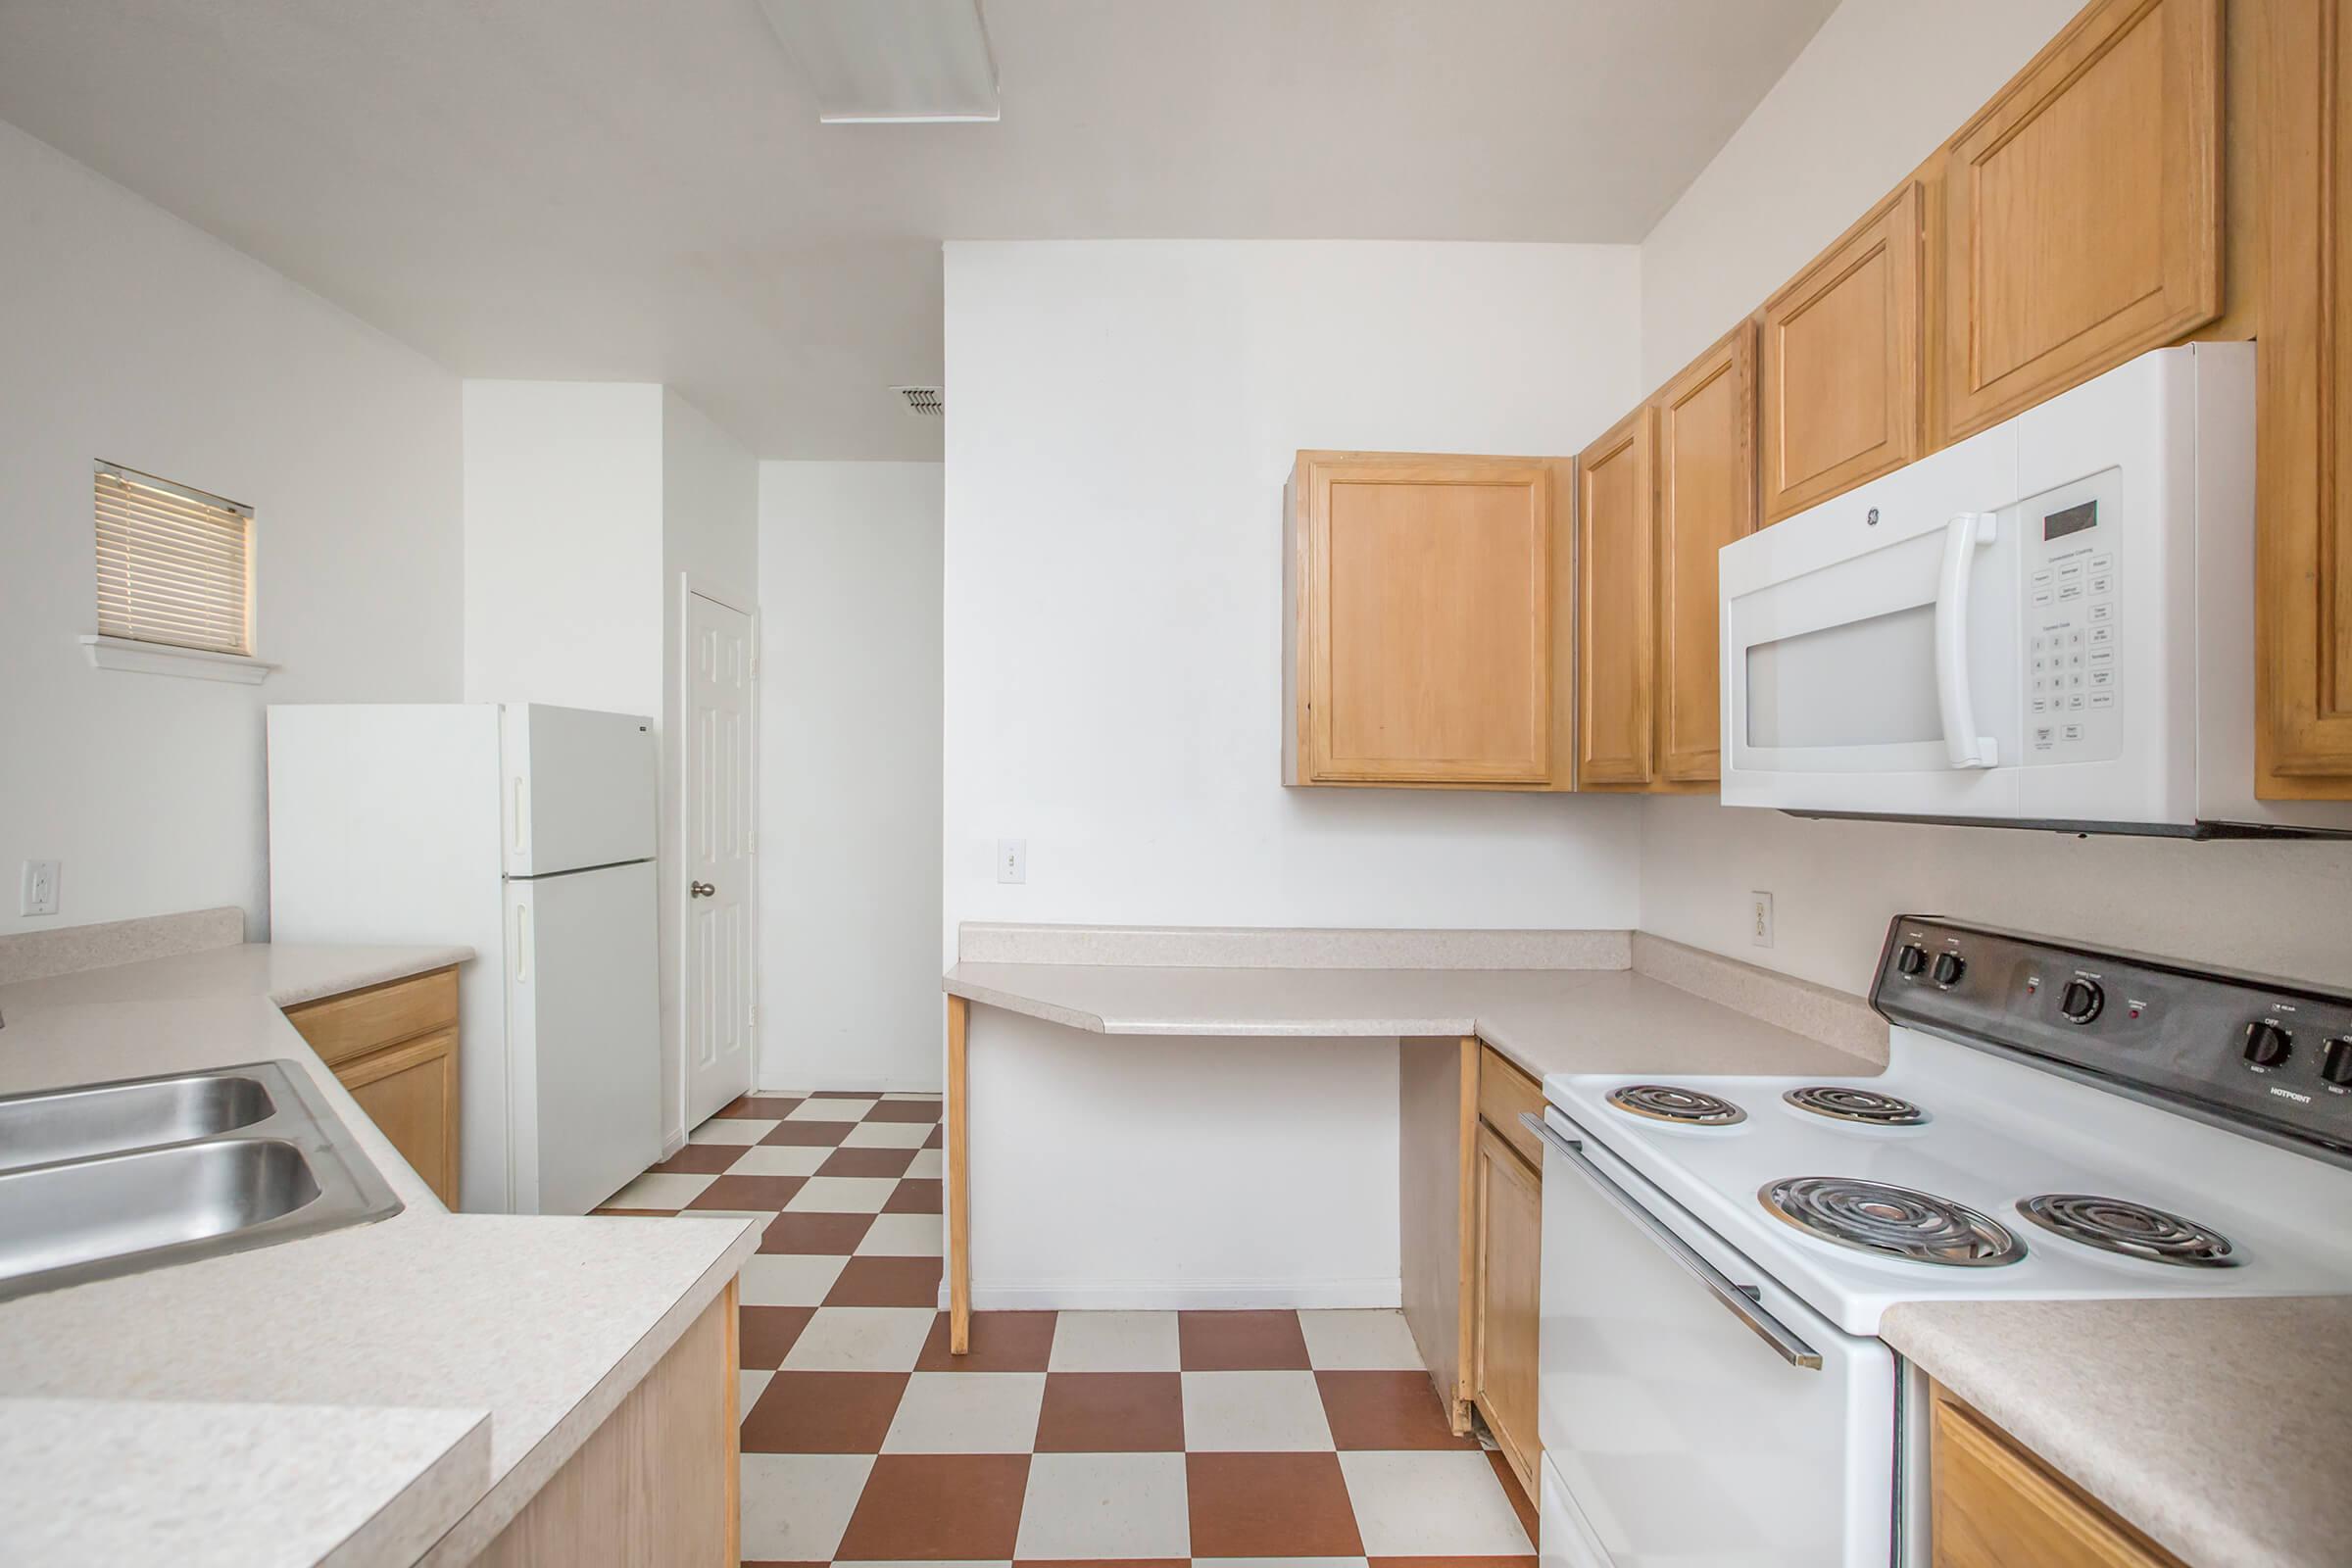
1870, 647
1692, 1412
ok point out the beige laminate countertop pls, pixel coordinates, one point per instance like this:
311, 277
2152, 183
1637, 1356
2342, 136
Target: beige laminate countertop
2217, 1427
2220, 1428
1545, 1020
453, 1362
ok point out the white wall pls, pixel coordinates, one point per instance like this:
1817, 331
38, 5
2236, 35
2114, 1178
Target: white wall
1852, 115
1121, 418
710, 538
564, 496
133, 337
849, 774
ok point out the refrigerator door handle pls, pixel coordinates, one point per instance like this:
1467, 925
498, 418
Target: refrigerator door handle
522, 943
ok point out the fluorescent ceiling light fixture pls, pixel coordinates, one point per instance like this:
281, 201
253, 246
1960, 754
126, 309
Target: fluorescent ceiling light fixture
890, 61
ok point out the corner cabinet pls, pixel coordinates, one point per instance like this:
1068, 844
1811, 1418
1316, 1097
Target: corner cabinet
1426, 603
2083, 210
1706, 499
2303, 550
395, 1048
1995, 1505
1616, 625
1842, 376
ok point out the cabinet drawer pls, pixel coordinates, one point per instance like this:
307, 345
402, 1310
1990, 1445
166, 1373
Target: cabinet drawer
360, 1022
1503, 1092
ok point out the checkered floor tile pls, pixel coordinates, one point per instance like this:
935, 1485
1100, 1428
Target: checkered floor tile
1126, 1438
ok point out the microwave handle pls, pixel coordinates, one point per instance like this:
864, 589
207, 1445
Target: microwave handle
1963, 537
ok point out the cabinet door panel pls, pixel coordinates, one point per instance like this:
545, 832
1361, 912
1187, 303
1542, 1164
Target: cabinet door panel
1511, 1248
1841, 362
1995, 1507
1615, 624
1706, 499
410, 1093
1428, 601
2082, 209
2303, 619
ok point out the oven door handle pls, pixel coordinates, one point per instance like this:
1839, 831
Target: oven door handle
1955, 702
1741, 1299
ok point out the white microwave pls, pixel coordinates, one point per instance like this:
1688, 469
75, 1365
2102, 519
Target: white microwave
2048, 624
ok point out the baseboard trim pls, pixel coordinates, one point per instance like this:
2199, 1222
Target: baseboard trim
1190, 1296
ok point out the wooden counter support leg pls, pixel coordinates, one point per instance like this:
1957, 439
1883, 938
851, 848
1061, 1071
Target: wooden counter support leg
1464, 1389
960, 1181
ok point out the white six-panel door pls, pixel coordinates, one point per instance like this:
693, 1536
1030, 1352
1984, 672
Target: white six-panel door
719, 752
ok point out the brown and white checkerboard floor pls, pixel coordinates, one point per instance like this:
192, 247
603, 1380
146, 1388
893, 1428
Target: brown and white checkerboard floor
1098, 1436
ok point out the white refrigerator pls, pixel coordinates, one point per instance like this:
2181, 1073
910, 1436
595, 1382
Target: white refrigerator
529, 832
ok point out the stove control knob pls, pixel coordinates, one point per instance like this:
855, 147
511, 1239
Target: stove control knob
1949, 968
2267, 1045
2080, 1001
2335, 1062
1911, 957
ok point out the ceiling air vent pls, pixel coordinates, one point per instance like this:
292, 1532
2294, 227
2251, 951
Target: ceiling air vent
923, 400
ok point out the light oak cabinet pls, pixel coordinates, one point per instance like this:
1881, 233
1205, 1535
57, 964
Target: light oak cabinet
1616, 626
1706, 499
1843, 376
1995, 1505
395, 1048
1657, 497
1425, 601
2303, 598
1507, 1301
2083, 211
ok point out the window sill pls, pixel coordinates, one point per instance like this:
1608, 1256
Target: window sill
162, 659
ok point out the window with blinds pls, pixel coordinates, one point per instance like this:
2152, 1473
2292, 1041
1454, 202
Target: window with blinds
174, 564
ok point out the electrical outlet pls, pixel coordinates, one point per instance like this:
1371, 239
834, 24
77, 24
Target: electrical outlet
38, 895
1759, 919
1012, 860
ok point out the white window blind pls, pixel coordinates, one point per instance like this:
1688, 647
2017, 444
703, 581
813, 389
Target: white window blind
174, 564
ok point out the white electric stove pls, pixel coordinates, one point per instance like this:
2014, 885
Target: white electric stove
2053, 1122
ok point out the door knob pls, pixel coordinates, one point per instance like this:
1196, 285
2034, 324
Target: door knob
700, 890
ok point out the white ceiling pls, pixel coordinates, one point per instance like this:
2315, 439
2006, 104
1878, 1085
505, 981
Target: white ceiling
638, 189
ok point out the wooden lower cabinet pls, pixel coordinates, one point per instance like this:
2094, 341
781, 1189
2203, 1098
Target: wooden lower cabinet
1506, 1299
395, 1048
1995, 1505
658, 1483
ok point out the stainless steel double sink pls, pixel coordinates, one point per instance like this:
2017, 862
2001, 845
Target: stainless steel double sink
114, 1178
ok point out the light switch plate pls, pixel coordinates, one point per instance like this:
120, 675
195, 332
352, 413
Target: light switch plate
38, 894
1012, 860
1759, 919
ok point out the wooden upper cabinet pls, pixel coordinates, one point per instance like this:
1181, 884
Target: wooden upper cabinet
2083, 212
1423, 607
1706, 499
1841, 362
2303, 548
1616, 533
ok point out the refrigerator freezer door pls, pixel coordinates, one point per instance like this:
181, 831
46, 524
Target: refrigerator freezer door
578, 788
585, 1034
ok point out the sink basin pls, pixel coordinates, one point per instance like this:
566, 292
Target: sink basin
109, 1118
59, 1216
105, 1179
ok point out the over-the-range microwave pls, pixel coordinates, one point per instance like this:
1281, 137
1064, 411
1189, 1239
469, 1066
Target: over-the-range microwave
2047, 624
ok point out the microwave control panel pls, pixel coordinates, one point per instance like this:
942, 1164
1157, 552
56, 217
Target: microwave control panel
2074, 690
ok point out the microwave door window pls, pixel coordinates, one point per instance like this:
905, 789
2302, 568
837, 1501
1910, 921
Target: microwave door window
1858, 683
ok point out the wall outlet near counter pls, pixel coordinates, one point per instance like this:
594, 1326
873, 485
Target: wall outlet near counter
38, 893
1759, 919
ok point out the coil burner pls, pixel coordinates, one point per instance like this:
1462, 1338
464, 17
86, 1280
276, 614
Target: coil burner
1856, 1105
1691, 1107
1892, 1221
2134, 1230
